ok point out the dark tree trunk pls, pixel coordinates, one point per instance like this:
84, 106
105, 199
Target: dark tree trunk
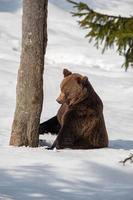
29, 92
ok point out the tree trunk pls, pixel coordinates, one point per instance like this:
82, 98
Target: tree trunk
29, 94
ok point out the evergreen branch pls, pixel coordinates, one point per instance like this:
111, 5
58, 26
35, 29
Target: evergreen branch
82, 6
108, 30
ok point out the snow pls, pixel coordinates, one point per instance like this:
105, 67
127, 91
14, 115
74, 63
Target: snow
37, 173
113, 7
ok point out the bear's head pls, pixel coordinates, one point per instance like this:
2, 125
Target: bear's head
73, 88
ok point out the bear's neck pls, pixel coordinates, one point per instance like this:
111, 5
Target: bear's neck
90, 99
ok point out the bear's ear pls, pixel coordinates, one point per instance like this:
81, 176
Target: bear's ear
79, 80
84, 80
66, 72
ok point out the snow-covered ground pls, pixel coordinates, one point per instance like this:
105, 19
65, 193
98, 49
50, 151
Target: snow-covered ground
27, 173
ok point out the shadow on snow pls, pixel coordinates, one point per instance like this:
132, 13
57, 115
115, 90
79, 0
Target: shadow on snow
121, 144
92, 181
9, 5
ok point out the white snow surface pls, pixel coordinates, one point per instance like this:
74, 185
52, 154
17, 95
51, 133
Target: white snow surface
36, 173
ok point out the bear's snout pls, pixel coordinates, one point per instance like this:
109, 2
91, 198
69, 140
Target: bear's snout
61, 99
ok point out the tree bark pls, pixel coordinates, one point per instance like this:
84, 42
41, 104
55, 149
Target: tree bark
29, 92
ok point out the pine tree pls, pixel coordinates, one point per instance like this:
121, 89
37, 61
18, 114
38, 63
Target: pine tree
29, 94
107, 30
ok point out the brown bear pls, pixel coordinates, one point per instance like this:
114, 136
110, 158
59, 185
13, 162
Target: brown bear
79, 122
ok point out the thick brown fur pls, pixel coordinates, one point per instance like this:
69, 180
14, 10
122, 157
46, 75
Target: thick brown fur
80, 116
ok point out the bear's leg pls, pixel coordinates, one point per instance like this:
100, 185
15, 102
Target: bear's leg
64, 140
50, 126
66, 135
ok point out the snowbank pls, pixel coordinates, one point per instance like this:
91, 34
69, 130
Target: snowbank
29, 174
